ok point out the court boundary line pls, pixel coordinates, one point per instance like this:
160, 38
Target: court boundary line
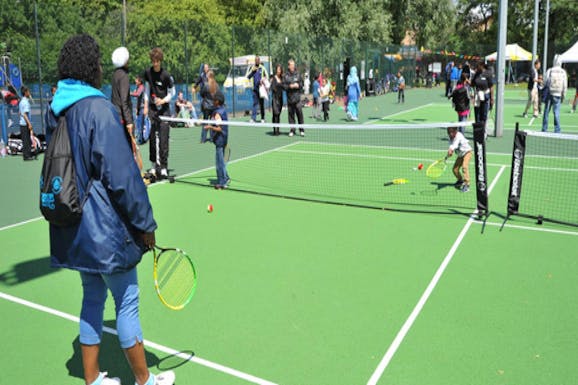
529, 228
400, 336
22, 223
150, 344
396, 113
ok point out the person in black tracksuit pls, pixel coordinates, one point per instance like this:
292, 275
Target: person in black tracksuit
277, 88
159, 91
294, 87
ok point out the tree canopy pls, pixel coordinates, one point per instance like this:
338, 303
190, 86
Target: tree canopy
192, 32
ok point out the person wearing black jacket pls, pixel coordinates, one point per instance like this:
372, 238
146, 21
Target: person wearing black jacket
160, 89
120, 94
294, 87
461, 100
277, 88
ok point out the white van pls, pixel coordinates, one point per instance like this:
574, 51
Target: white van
240, 69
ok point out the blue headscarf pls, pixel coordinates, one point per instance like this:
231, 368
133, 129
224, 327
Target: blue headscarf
352, 78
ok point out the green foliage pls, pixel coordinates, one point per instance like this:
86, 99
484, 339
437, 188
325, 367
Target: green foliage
319, 33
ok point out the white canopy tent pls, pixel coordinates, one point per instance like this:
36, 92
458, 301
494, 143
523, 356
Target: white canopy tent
570, 56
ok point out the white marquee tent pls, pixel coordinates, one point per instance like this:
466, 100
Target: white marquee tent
570, 56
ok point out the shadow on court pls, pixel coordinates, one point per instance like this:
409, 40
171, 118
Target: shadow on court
26, 271
111, 358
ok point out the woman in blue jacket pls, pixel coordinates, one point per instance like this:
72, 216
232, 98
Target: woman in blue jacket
117, 224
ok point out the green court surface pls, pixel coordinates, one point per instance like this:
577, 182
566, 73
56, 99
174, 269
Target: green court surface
298, 292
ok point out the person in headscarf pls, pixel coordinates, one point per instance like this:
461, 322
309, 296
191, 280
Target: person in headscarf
353, 94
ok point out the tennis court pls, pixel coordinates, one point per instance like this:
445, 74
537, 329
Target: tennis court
296, 291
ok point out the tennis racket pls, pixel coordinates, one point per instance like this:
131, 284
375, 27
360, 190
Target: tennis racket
437, 168
396, 181
175, 277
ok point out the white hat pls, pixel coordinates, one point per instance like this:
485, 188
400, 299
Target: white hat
120, 57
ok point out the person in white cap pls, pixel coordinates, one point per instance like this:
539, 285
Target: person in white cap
120, 96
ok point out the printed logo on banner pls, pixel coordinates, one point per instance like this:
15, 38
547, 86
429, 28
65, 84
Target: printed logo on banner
15, 76
481, 174
516, 173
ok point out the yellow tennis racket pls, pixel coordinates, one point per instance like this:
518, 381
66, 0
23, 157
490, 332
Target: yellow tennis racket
175, 277
396, 181
437, 168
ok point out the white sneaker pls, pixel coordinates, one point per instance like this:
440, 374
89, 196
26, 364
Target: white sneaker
164, 173
165, 378
262, 120
251, 121
291, 133
108, 381
153, 171
302, 133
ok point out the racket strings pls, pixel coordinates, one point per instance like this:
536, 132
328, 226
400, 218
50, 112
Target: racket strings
175, 278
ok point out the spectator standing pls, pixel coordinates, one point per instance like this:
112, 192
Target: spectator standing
575, 96
556, 82
483, 95
353, 94
120, 94
447, 77
117, 224
219, 137
138, 93
400, 88
277, 88
324, 98
160, 91
294, 87
258, 73
26, 130
533, 99
316, 85
461, 100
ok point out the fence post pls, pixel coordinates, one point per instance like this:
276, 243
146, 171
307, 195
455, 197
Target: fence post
3, 122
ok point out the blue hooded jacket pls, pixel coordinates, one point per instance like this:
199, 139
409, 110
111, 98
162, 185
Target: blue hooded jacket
117, 210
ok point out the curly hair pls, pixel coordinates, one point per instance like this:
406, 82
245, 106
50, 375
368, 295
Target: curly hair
80, 59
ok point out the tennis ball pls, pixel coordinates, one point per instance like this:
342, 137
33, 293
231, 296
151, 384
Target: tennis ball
210, 208
420, 166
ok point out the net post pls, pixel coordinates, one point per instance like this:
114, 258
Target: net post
481, 171
518, 154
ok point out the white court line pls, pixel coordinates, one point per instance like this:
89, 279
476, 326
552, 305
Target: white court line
20, 223
539, 229
398, 113
150, 344
425, 296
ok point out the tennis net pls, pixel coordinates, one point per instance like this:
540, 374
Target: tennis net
373, 166
544, 177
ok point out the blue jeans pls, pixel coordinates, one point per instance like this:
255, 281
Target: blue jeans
124, 289
139, 124
258, 102
222, 176
554, 101
462, 118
